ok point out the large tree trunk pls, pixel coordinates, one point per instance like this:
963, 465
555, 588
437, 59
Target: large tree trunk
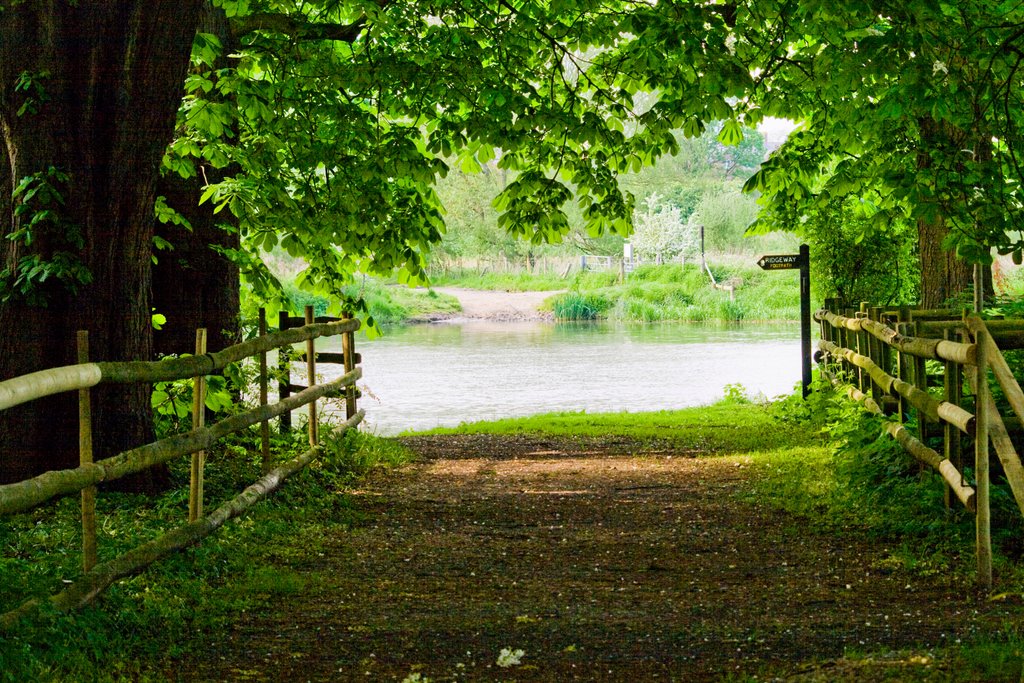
109, 78
943, 275
194, 285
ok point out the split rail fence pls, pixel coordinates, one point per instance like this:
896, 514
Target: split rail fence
890, 361
96, 577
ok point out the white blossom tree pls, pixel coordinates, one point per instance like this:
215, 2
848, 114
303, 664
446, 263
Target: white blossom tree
660, 234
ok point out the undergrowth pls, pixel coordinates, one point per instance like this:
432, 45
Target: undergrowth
143, 623
866, 482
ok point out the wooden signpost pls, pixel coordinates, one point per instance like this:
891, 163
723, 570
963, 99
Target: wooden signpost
801, 261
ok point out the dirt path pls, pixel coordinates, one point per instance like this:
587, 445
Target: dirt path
600, 565
496, 305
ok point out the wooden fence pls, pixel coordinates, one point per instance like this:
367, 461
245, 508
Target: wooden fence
96, 577
933, 365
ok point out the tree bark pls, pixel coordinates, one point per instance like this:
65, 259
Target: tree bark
943, 274
109, 78
194, 285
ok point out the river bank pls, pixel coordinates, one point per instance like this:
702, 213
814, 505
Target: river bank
665, 293
495, 306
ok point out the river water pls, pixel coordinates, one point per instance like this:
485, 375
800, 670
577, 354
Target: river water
423, 376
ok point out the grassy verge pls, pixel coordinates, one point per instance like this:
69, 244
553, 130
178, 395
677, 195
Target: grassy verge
142, 624
649, 294
506, 282
656, 293
731, 426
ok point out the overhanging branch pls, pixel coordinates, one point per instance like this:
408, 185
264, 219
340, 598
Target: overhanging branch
296, 28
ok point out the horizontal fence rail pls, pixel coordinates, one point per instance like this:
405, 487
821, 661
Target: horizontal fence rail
879, 357
24, 495
82, 591
74, 377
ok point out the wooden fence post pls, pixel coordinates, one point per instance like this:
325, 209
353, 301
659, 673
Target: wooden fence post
195, 492
983, 530
903, 367
844, 342
311, 373
85, 458
863, 339
919, 368
284, 367
348, 349
826, 334
876, 352
264, 397
950, 434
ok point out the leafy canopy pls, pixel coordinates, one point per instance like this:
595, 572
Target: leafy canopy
335, 118
914, 106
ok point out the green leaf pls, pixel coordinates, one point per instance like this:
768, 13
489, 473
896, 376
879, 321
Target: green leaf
731, 133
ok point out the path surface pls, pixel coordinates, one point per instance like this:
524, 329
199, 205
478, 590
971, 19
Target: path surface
599, 565
499, 305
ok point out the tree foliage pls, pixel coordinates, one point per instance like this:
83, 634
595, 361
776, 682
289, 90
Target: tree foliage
853, 260
914, 106
341, 117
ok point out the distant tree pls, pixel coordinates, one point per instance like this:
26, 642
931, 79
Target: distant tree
725, 214
660, 232
737, 160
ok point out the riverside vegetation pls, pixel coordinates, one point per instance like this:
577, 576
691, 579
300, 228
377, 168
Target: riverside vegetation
849, 490
651, 293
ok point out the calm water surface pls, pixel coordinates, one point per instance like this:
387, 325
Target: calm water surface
425, 376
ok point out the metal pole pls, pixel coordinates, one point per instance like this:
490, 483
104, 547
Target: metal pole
805, 315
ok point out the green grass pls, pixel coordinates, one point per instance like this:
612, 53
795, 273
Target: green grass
508, 282
387, 304
649, 294
683, 293
143, 623
730, 426
579, 306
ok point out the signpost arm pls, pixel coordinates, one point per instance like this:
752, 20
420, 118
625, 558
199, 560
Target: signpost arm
805, 317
